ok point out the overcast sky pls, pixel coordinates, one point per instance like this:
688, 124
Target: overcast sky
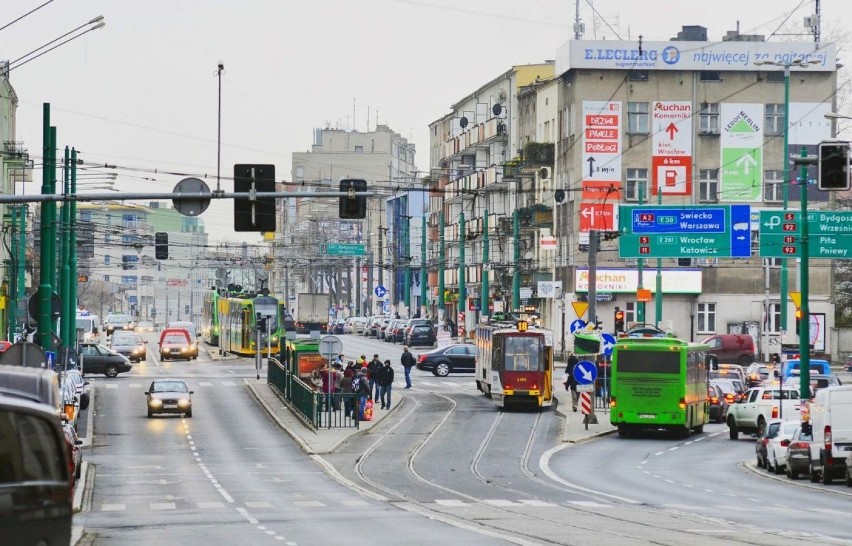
141, 93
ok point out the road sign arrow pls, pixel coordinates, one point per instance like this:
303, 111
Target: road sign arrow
671, 130
587, 212
746, 162
587, 375
591, 161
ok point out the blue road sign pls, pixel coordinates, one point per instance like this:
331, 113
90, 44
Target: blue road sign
577, 325
386, 306
608, 343
585, 372
51, 360
380, 291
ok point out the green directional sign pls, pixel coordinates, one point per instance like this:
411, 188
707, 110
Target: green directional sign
829, 233
343, 249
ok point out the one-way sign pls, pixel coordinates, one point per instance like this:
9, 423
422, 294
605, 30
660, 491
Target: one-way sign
585, 372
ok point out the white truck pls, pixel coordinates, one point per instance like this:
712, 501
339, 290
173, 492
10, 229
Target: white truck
760, 404
312, 312
831, 425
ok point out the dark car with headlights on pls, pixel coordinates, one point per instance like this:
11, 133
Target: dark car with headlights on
169, 396
176, 345
421, 334
442, 361
718, 408
129, 344
96, 358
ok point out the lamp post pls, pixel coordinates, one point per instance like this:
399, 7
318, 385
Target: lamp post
98, 22
801, 63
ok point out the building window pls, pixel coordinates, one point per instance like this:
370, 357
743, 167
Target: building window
106, 259
708, 185
636, 184
129, 282
774, 318
106, 278
710, 76
129, 261
107, 239
359, 149
774, 119
709, 118
706, 318
629, 313
637, 118
773, 186
775, 76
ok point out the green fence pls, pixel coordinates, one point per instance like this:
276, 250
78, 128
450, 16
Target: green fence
317, 409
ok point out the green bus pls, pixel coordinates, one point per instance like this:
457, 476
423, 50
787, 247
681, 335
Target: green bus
659, 383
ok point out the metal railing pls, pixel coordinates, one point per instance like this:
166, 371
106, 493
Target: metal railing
317, 409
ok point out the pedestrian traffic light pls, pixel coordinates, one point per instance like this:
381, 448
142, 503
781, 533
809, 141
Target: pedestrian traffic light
161, 245
798, 319
619, 320
833, 166
254, 214
353, 207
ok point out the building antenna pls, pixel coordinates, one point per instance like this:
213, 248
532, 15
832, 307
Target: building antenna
368, 118
818, 25
354, 124
579, 27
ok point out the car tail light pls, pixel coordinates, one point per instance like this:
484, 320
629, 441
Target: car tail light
785, 443
421, 358
800, 445
714, 399
828, 438
729, 398
682, 404
775, 412
612, 401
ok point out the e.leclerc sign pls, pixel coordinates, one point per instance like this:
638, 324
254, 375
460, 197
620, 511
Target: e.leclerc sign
671, 231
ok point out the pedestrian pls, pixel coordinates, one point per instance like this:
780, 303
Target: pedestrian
337, 379
373, 368
363, 392
346, 389
571, 381
386, 383
407, 361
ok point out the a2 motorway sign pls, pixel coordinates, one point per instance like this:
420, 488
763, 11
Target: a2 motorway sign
673, 231
829, 234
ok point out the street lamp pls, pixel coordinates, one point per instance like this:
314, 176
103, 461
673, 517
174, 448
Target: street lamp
98, 22
800, 63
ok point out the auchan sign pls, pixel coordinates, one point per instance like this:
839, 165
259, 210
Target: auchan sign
675, 281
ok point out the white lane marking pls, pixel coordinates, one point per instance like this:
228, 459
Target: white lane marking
708, 490
544, 465
205, 384
246, 515
501, 502
451, 502
669, 481
659, 453
162, 505
673, 448
590, 504
109, 386
115, 507
537, 503
687, 485
308, 503
228, 383
224, 493
134, 385
700, 439
258, 504
210, 505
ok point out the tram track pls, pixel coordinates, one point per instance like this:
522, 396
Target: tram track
571, 529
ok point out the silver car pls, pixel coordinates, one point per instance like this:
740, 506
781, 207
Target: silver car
131, 345
169, 396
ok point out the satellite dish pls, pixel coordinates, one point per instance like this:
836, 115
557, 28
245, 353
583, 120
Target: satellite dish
194, 206
497, 109
559, 196
463, 122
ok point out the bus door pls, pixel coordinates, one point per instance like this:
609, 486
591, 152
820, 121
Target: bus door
245, 340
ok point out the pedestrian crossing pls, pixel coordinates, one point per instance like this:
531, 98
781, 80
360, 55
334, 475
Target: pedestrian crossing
260, 505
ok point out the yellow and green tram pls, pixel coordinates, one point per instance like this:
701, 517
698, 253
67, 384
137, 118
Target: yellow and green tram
659, 383
239, 324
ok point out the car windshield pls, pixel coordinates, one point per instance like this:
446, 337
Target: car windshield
126, 340
169, 386
176, 338
772, 430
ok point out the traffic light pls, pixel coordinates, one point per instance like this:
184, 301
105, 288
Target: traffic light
353, 207
833, 166
619, 320
258, 214
798, 320
161, 245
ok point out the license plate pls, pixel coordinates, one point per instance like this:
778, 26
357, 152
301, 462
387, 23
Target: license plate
647, 416
169, 406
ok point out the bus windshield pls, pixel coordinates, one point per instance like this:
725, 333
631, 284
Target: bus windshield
662, 362
523, 354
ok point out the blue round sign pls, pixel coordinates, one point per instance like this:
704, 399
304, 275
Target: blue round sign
380, 291
577, 325
585, 372
608, 343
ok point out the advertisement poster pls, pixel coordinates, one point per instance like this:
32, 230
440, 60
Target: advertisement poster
671, 148
601, 140
741, 172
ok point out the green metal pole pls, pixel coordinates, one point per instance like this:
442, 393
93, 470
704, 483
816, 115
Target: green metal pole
22, 253
640, 267
516, 277
785, 189
72, 253
658, 295
483, 307
441, 261
805, 321
406, 244
12, 307
424, 272
462, 266
48, 233
64, 271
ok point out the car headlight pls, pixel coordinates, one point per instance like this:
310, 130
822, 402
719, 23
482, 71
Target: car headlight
155, 402
274, 339
184, 349
183, 402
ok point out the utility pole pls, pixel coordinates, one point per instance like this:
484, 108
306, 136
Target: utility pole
72, 252
483, 306
406, 245
462, 280
594, 242
516, 277
381, 258
68, 322
424, 271
48, 233
658, 296
441, 264
640, 266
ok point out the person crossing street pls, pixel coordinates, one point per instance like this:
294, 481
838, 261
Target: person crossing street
408, 362
386, 384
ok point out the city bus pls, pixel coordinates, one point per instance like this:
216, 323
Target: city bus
210, 317
659, 383
514, 363
239, 325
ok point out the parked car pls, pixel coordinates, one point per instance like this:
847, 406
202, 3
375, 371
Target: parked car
422, 334
395, 331
374, 325
760, 448
776, 448
75, 452
37, 505
817, 380
734, 348
77, 379
799, 452
96, 358
175, 344
849, 364
831, 426
457, 358
131, 345
409, 327
4, 345
336, 326
382, 328
355, 325
718, 404
70, 402
169, 396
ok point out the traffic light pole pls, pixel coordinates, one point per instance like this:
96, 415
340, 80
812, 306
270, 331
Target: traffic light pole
804, 289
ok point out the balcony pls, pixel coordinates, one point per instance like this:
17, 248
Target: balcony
536, 216
479, 135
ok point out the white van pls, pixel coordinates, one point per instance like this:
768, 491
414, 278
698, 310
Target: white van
90, 326
831, 422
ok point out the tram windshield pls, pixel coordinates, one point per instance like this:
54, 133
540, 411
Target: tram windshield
524, 354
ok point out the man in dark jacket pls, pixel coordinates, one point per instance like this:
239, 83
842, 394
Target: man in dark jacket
363, 392
407, 361
571, 381
386, 383
373, 368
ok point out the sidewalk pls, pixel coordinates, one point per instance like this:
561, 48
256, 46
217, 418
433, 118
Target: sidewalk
573, 430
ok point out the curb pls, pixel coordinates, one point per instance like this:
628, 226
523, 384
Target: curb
805, 483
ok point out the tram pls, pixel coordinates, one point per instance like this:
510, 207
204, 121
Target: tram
514, 363
239, 324
210, 317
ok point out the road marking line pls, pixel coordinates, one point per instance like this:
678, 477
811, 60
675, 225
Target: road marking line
113, 507
205, 384
210, 505
258, 504
228, 383
308, 503
162, 505
537, 503
659, 453
590, 504
110, 386
451, 502
501, 502
134, 385
246, 515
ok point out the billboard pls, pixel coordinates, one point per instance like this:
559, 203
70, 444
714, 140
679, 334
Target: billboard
601, 140
671, 148
741, 172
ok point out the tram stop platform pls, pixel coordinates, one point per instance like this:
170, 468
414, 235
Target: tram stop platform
574, 429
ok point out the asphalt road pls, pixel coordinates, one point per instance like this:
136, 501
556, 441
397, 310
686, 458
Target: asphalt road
445, 465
